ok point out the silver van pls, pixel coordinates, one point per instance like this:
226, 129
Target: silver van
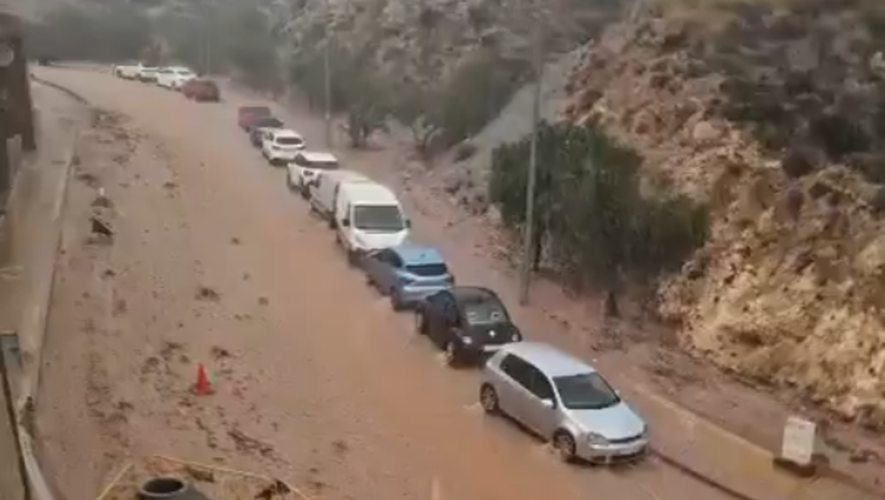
564, 400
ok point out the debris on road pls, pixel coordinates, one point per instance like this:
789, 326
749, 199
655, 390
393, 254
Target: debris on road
208, 294
248, 444
101, 228
215, 482
102, 200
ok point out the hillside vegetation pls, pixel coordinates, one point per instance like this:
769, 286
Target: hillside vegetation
772, 114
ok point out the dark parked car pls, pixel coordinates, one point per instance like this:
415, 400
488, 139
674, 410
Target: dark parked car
257, 127
200, 89
248, 114
467, 323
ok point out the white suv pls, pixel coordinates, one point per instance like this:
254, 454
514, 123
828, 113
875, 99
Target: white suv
280, 145
306, 167
175, 77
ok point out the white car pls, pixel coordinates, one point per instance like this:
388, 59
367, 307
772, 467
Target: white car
127, 71
175, 77
280, 145
147, 74
306, 167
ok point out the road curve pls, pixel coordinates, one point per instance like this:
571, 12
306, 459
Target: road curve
335, 389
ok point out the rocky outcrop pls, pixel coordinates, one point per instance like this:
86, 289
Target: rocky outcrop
773, 117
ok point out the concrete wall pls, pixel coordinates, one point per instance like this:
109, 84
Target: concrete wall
29, 237
12, 478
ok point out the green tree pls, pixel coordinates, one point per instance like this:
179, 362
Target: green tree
476, 91
590, 214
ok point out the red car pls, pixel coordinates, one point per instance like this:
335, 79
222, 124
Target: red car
246, 115
201, 90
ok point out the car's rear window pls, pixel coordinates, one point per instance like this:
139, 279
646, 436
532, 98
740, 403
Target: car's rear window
322, 165
268, 122
255, 110
485, 312
289, 141
428, 270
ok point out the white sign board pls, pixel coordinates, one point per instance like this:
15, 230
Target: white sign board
799, 438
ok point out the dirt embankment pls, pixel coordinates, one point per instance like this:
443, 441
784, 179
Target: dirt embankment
772, 115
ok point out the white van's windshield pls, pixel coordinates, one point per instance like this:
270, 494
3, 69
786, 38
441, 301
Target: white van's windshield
378, 218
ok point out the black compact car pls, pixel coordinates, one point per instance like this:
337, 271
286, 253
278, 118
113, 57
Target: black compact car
467, 323
259, 125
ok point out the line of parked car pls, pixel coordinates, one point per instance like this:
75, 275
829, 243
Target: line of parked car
552, 393
177, 78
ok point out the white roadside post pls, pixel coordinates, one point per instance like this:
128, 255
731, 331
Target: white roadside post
797, 447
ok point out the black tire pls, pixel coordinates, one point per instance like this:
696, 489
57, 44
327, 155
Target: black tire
452, 357
305, 192
564, 445
420, 322
168, 488
488, 399
396, 302
331, 222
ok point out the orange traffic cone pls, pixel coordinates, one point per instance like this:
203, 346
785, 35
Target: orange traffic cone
202, 387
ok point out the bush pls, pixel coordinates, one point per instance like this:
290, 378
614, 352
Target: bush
464, 151
589, 212
475, 93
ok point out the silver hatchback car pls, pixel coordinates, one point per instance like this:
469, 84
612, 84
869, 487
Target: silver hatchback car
565, 400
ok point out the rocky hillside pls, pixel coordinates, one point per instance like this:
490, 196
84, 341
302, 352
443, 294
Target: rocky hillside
774, 113
444, 31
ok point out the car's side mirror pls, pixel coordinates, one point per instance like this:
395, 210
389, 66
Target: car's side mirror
345, 223
548, 403
408, 223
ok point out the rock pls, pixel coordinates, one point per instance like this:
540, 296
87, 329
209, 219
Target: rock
453, 183
705, 132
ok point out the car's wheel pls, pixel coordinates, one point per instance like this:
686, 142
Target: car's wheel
451, 353
488, 398
396, 301
305, 193
351, 258
420, 322
564, 445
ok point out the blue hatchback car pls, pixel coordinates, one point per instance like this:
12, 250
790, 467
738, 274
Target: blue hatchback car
407, 273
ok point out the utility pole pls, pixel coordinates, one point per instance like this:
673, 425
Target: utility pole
327, 76
529, 230
209, 37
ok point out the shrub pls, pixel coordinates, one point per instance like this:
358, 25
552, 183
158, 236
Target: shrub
475, 93
464, 151
589, 210
839, 135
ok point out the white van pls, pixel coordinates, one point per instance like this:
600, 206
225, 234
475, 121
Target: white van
324, 191
368, 217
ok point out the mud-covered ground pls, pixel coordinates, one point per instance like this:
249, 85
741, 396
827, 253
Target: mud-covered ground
213, 261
